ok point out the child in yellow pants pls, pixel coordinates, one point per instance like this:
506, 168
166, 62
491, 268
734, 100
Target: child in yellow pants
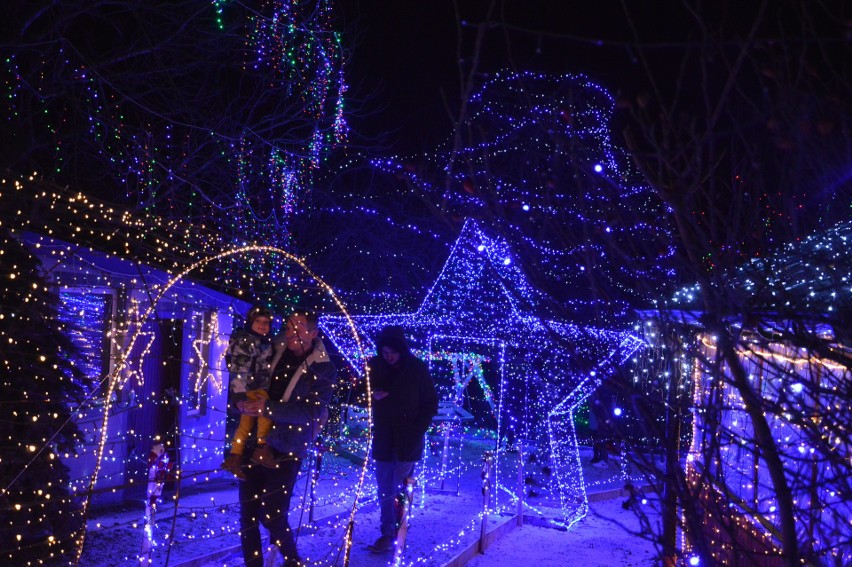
249, 360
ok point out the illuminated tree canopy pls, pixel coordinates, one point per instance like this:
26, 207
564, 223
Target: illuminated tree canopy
215, 112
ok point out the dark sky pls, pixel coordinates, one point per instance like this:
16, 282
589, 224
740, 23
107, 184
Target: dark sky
407, 59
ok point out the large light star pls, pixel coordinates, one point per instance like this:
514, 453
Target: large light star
482, 303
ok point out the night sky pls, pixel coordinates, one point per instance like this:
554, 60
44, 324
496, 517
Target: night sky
408, 57
407, 62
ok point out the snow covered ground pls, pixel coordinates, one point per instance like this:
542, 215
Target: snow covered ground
203, 527
601, 539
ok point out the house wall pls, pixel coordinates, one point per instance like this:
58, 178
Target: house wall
204, 381
170, 387
788, 377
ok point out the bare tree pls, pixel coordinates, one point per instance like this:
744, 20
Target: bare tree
741, 142
738, 119
215, 111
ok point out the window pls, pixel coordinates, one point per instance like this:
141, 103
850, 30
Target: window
86, 318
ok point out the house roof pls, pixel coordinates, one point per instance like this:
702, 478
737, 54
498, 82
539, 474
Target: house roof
812, 277
41, 207
172, 245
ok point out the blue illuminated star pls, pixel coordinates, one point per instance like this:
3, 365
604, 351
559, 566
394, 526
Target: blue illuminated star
481, 303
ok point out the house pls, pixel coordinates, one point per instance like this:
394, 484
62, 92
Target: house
151, 343
777, 390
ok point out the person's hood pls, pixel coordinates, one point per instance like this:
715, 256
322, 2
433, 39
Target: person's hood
393, 336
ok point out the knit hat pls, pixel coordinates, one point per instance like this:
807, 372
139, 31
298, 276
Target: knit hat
392, 336
255, 312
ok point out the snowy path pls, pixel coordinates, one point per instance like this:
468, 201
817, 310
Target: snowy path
444, 523
596, 541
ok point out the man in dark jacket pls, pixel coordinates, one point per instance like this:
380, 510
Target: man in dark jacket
301, 387
404, 402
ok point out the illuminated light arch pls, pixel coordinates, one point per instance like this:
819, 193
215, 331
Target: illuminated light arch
114, 378
112, 238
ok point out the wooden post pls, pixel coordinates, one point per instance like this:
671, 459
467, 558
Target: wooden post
315, 472
488, 457
521, 485
405, 500
445, 452
347, 542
